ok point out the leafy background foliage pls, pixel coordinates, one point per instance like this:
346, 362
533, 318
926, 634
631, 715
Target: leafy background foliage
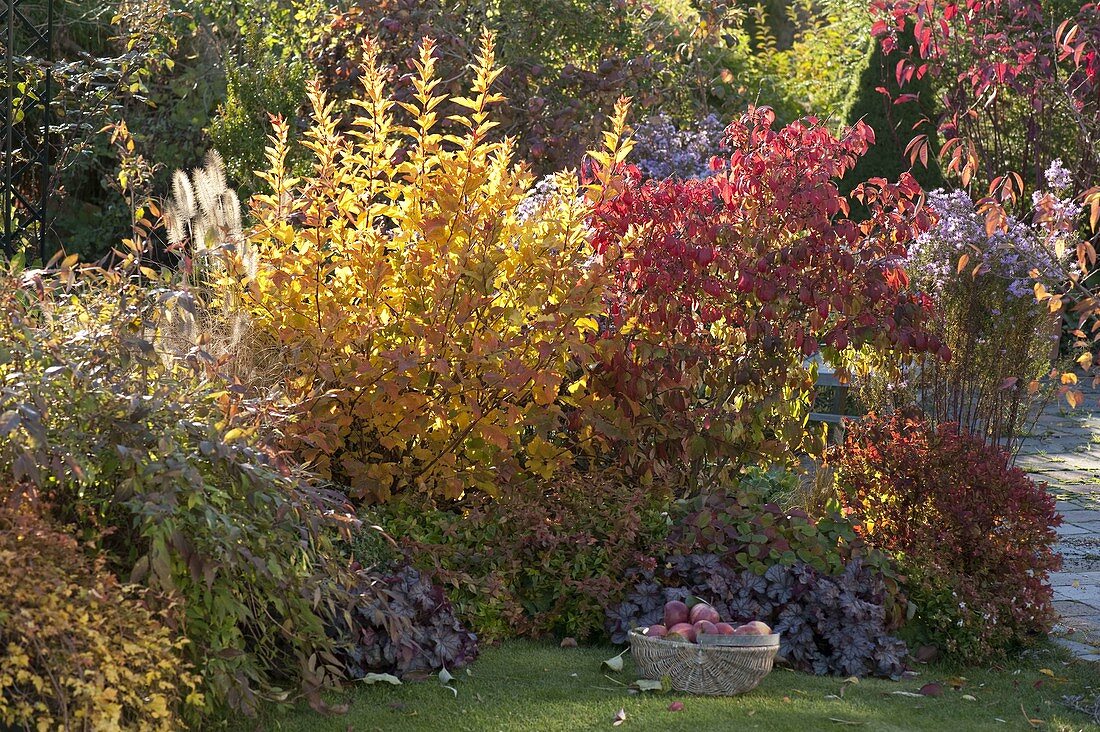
541, 559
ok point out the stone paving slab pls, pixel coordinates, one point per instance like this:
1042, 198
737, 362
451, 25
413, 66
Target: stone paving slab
1069, 609
1066, 579
1088, 594
1072, 530
1064, 452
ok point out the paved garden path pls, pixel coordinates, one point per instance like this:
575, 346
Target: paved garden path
1064, 450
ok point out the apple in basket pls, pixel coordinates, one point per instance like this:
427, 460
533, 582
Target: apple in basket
681, 632
656, 631
704, 627
754, 628
724, 628
703, 611
675, 612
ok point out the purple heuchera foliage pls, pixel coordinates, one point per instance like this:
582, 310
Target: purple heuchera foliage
828, 624
1011, 255
662, 150
402, 624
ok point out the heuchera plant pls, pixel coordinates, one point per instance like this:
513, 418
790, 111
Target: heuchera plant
975, 536
827, 624
834, 600
724, 286
400, 623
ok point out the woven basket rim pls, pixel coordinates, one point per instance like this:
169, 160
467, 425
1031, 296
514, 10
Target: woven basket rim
637, 633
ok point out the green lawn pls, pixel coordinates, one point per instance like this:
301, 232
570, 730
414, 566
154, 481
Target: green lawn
531, 686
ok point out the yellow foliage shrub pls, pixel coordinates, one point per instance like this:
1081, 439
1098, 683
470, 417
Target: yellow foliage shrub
429, 325
77, 650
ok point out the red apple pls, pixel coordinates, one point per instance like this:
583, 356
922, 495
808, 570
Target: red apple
753, 628
724, 628
675, 612
704, 627
703, 611
657, 631
681, 631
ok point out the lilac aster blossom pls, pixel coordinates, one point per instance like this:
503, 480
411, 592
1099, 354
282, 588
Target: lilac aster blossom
1059, 178
662, 150
1012, 255
537, 197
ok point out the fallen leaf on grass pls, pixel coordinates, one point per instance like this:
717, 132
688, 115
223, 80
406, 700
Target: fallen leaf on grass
847, 722
619, 718
906, 693
615, 663
446, 678
750, 712
956, 682
650, 685
376, 678
1032, 722
1051, 674
968, 697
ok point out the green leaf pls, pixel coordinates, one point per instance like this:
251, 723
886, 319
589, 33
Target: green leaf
662, 687
615, 663
380, 678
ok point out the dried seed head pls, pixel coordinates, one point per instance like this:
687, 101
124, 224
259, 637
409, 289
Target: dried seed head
183, 196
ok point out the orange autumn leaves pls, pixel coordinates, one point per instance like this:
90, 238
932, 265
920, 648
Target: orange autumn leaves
429, 327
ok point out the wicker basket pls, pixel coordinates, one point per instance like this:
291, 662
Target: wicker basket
704, 669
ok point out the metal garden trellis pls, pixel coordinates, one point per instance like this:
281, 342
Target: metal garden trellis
28, 52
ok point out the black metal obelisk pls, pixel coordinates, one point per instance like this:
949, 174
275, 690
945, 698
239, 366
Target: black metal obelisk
25, 167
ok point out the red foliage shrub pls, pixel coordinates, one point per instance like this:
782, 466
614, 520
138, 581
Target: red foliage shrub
1015, 84
724, 286
974, 535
